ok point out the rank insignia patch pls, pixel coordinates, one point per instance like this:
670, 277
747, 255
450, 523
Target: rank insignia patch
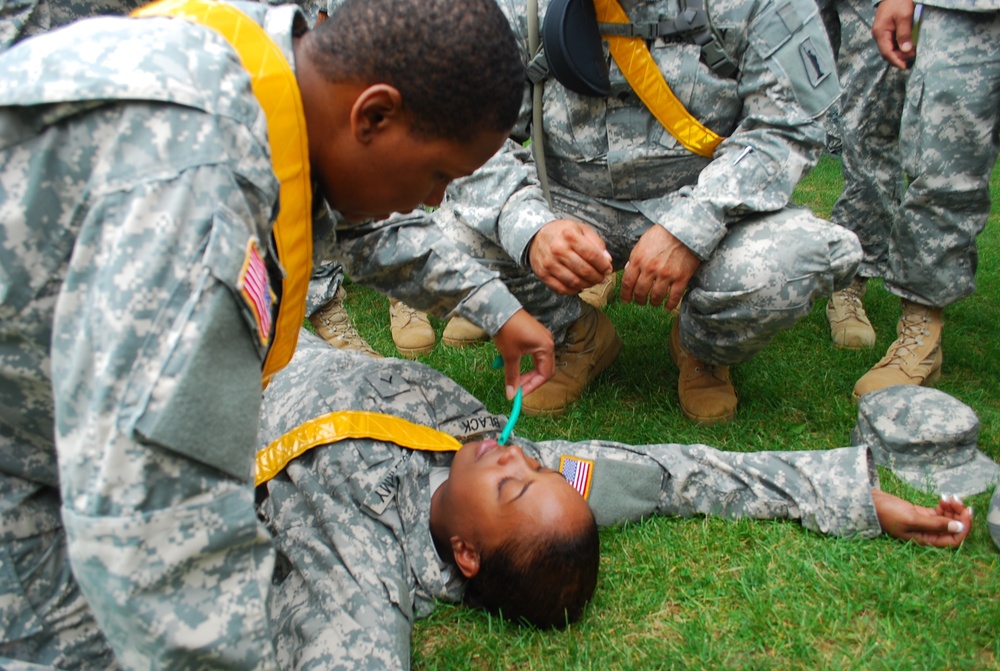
256, 290
578, 473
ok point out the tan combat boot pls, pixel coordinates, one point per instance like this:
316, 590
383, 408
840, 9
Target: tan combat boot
333, 325
914, 358
460, 332
411, 330
849, 325
591, 346
599, 294
706, 393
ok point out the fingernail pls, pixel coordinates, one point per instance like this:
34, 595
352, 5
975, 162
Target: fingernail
956, 527
957, 499
905, 46
970, 512
510, 392
945, 498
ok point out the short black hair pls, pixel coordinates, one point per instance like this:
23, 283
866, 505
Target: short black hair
546, 581
455, 62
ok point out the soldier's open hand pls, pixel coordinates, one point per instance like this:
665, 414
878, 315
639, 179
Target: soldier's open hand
658, 270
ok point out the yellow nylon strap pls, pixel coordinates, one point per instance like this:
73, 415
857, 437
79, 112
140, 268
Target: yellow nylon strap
276, 89
640, 70
336, 426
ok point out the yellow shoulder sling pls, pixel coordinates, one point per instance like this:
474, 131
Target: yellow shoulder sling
640, 70
337, 426
276, 89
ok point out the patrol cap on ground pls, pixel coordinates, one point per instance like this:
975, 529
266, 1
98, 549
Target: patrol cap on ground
993, 517
927, 438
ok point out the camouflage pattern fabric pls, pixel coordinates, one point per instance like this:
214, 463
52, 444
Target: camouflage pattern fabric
20, 19
154, 355
948, 143
613, 166
356, 562
927, 438
966, 5
323, 285
867, 123
134, 175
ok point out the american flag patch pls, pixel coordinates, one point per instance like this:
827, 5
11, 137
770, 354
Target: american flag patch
577, 473
256, 290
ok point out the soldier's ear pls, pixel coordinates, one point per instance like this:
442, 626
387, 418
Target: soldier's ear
376, 109
466, 557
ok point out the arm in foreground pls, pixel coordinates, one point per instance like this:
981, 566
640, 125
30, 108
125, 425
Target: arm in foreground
833, 492
409, 258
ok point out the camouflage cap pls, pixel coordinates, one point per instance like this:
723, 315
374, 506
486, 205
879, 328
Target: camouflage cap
927, 438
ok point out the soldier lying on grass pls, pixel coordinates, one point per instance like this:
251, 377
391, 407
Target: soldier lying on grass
375, 515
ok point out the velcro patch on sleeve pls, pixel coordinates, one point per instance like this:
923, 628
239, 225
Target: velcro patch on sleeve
578, 473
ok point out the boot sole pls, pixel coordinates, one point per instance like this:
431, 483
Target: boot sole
708, 421
934, 376
413, 353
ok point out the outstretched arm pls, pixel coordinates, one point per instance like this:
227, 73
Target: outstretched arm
945, 526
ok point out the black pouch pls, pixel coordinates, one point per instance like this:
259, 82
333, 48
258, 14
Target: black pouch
573, 48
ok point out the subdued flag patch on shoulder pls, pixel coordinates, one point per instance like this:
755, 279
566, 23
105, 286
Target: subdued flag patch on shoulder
256, 289
577, 472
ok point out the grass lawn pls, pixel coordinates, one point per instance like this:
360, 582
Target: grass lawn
706, 593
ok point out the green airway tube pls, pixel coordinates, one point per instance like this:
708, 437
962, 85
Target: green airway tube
515, 411
514, 414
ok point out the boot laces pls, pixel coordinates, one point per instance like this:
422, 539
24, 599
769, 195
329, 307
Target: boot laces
850, 299
407, 313
710, 369
910, 338
337, 321
335, 318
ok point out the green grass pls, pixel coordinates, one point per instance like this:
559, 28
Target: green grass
707, 593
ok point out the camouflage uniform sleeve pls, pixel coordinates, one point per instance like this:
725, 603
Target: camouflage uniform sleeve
825, 490
787, 78
156, 377
503, 201
407, 257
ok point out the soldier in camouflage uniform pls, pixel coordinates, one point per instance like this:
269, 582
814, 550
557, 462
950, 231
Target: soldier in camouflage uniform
20, 19
948, 144
868, 126
136, 190
718, 231
355, 520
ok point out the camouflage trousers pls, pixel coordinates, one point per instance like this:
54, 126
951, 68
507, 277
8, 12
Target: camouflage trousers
867, 122
761, 280
323, 284
948, 144
44, 616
